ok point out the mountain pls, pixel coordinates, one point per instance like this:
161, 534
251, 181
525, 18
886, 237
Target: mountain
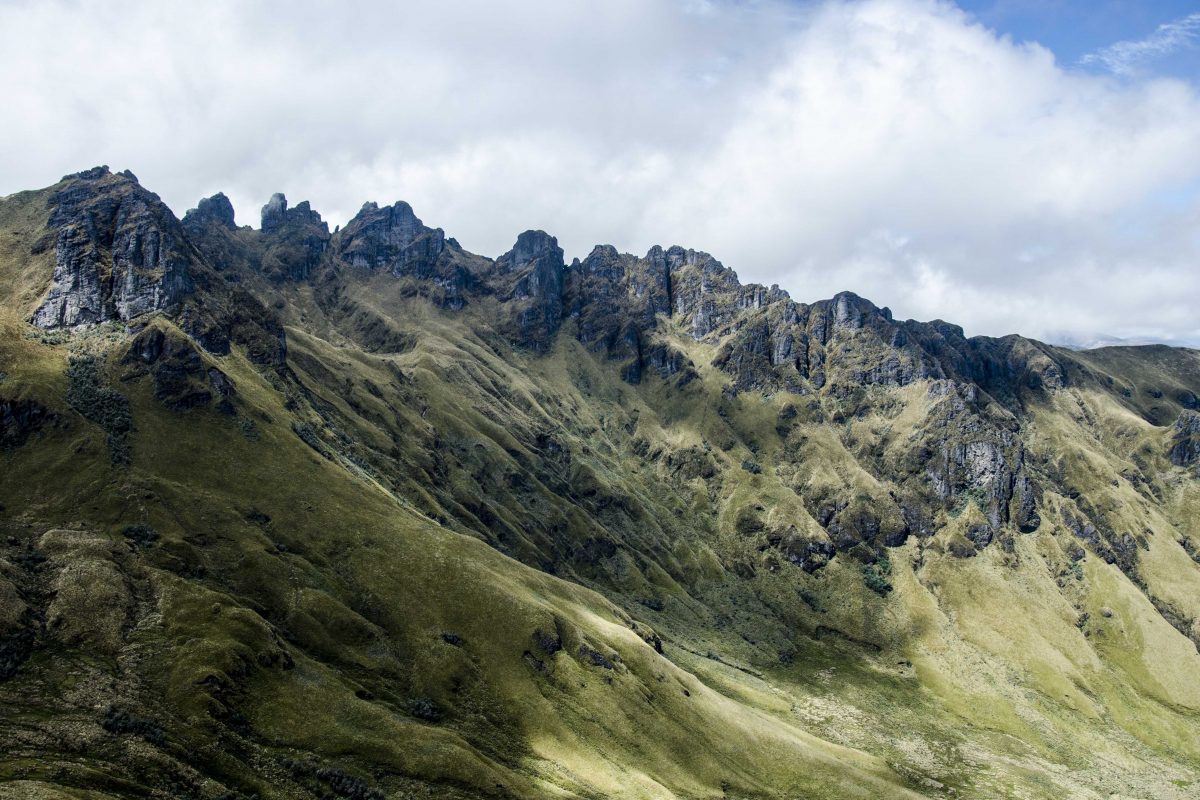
289, 513
1096, 341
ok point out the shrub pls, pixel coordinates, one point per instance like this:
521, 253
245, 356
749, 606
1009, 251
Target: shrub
341, 783
122, 722
595, 657
249, 428
425, 708
875, 576
14, 651
101, 404
309, 437
140, 534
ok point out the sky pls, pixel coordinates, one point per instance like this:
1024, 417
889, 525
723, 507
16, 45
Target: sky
1009, 165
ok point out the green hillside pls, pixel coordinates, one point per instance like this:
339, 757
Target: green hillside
293, 514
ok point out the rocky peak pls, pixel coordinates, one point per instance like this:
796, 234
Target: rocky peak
532, 278
277, 216
537, 262
296, 239
119, 252
215, 210
391, 238
765, 340
532, 246
273, 213
849, 310
95, 173
604, 258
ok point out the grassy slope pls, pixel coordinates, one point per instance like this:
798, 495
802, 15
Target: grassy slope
356, 588
973, 675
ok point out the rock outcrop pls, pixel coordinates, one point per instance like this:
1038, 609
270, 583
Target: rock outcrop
766, 340
530, 279
616, 300
216, 210
20, 419
1185, 440
393, 239
119, 252
181, 378
295, 239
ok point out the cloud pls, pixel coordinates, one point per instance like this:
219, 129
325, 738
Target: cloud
1125, 57
891, 147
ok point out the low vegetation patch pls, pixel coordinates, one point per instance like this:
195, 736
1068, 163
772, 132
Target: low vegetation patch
875, 576
89, 394
120, 722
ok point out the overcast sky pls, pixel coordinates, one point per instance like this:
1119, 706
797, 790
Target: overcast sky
1008, 165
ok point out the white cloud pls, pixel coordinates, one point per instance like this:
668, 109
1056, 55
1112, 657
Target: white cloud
1126, 57
891, 147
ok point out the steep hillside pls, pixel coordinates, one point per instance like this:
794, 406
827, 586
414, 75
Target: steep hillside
295, 514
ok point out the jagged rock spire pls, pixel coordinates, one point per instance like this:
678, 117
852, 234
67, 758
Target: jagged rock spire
391, 238
216, 209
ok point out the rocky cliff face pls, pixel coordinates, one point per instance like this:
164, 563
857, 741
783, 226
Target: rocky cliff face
119, 252
530, 279
295, 239
1185, 443
215, 210
392, 239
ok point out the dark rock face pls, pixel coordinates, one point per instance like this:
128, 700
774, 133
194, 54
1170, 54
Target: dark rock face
616, 299
768, 341
274, 213
20, 419
1185, 441
119, 253
972, 452
295, 238
1119, 548
391, 238
848, 343
181, 379
708, 294
211, 228
808, 554
532, 247
1026, 495
216, 210
531, 281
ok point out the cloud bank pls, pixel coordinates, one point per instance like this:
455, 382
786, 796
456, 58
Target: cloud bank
891, 147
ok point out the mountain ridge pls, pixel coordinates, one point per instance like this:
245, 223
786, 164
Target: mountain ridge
516, 527
395, 239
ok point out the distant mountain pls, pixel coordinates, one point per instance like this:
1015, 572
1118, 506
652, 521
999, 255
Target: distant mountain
1096, 341
293, 513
